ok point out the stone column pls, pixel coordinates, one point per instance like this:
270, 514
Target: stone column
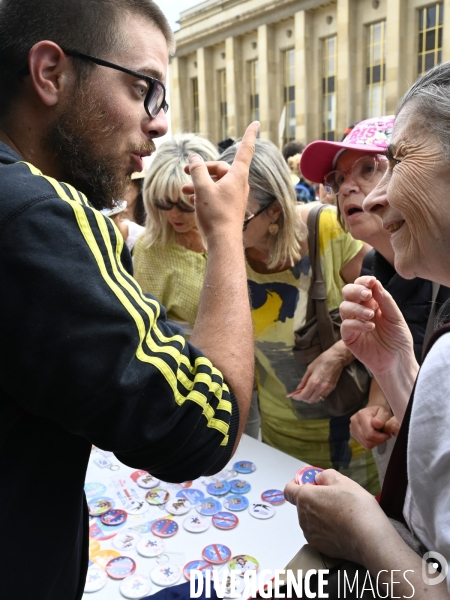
235, 97
304, 126
180, 96
345, 65
446, 32
209, 123
398, 54
268, 88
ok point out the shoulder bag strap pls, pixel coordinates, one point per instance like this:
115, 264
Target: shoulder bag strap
317, 294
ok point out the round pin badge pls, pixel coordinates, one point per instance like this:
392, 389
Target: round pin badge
164, 528
126, 540
274, 497
136, 507
157, 496
120, 567
193, 495
102, 558
96, 533
196, 523
225, 520
196, 565
240, 486
230, 590
178, 506
242, 563
209, 507
235, 503
136, 474
113, 517
150, 546
95, 580
261, 510
244, 466
99, 506
147, 482
216, 553
165, 575
218, 488
307, 475
93, 489
135, 586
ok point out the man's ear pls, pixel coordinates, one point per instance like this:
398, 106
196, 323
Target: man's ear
50, 71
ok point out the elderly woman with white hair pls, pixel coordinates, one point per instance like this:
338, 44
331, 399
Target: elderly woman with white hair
170, 256
412, 201
278, 272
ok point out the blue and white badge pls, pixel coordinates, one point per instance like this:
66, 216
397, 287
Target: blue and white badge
225, 520
216, 553
120, 567
196, 565
261, 510
218, 488
135, 586
95, 579
114, 517
166, 574
240, 486
244, 466
209, 507
164, 528
307, 475
274, 497
126, 540
194, 496
235, 503
93, 489
150, 546
196, 523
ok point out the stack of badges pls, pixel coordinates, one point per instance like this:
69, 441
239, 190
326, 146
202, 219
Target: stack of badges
164, 528
165, 575
150, 546
307, 475
95, 579
135, 586
120, 567
208, 507
225, 520
216, 554
196, 565
239, 486
274, 497
235, 502
218, 488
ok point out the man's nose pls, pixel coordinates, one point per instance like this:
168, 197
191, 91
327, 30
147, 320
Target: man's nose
156, 127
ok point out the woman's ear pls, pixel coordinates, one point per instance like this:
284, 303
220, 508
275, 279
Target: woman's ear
274, 210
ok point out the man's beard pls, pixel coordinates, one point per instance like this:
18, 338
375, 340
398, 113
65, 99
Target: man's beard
83, 139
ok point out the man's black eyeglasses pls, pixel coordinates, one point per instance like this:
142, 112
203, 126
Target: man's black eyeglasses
155, 99
258, 212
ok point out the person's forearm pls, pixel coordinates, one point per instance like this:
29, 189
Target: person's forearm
343, 354
376, 395
223, 328
397, 385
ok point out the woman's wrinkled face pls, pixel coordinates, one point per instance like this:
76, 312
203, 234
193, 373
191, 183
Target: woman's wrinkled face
412, 199
362, 226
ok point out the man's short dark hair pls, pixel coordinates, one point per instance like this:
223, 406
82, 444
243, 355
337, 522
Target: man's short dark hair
292, 148
89, 26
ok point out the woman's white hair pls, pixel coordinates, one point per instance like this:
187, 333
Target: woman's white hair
165, 179
269, 179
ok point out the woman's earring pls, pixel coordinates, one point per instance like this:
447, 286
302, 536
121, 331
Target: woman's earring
274, 228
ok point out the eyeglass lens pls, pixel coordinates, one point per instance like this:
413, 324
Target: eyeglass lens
168, 205
362, 172
155, 99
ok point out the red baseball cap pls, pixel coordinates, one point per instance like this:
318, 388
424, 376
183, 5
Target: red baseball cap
371, 135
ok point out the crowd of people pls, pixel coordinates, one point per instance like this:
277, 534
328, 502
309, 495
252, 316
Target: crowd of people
163, 366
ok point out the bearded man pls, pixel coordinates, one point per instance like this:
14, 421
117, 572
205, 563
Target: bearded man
86, 358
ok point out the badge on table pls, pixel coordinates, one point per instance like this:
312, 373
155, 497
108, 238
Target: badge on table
135, 586
196, 565
193, 495
229, 591
95, 579
261, 511
99, 506
196, 523
97, 533
166, 574
93, 489
209, 507
157, 496
120, 567
164, 528
244, 466
150, 546
239, 486
216, 553
242, 563
218, 488
235, 503
307, 475
147, 482
114, 517
178, 506
274, 497
225, 520
126, 540
102, 558
136, 507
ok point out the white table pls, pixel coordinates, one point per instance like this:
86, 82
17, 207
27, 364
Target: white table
273, 542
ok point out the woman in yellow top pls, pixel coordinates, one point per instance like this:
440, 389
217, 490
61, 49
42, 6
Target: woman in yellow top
170, 256
279, 273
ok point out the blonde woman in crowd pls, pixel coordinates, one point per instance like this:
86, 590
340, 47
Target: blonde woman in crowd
170, 256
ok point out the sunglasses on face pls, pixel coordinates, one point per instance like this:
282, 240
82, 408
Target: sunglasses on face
155, 98
168, 205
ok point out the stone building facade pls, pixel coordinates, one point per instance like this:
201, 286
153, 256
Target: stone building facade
306, 69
